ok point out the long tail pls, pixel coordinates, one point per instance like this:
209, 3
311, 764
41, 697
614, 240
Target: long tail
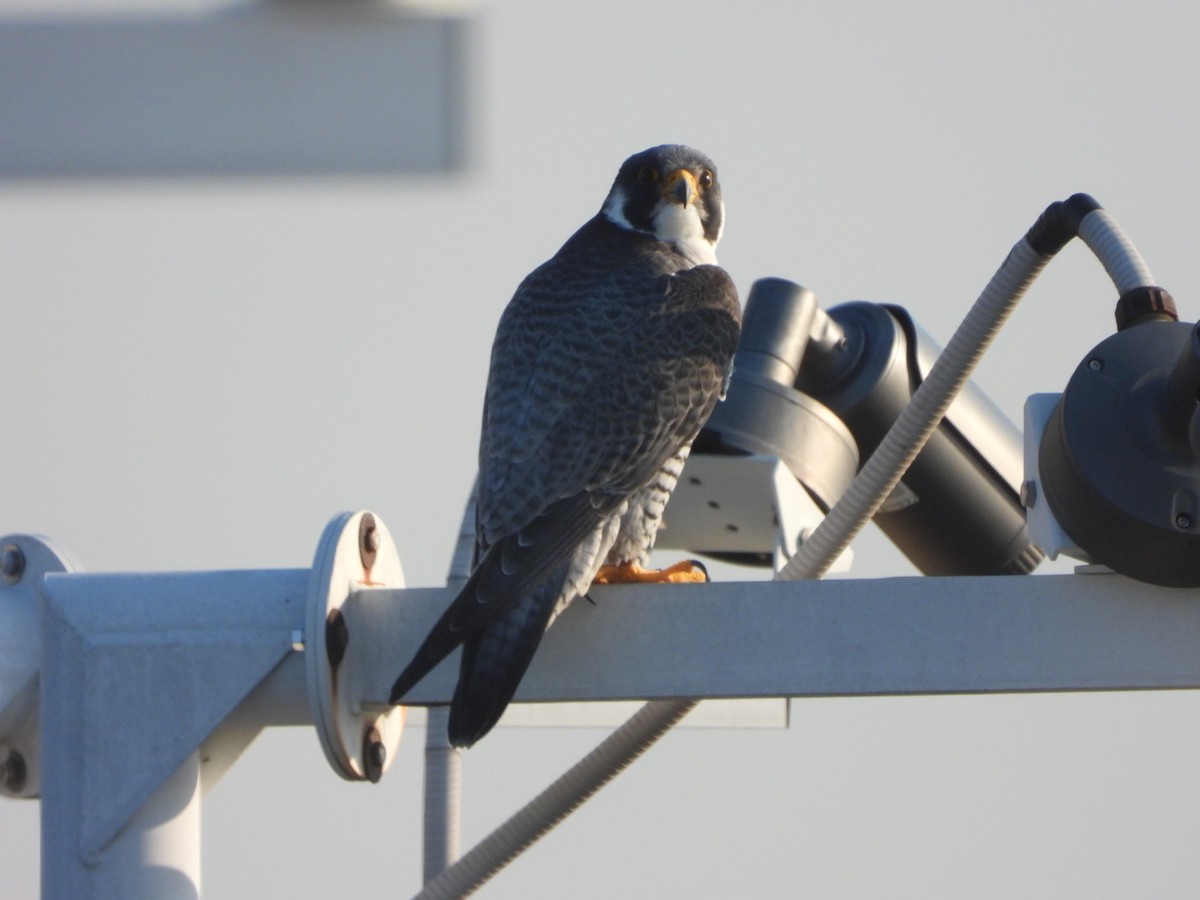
512, 573
494, 662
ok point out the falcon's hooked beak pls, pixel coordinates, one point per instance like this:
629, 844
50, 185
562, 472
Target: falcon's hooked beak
680, 187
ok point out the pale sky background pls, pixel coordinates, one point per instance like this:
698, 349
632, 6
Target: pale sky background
200, 374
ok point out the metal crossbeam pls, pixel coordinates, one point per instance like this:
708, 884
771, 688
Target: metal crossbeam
827, 638
255, 640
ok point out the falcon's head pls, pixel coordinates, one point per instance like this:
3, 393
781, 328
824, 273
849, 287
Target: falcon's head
670, 192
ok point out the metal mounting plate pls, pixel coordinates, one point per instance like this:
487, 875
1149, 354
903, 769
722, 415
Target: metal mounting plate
24, 560
356, 553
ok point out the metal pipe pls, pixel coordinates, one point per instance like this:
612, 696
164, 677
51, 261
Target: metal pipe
155, 856
443, 791
559, 800
443, 762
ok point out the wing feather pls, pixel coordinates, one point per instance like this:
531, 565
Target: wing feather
606, 363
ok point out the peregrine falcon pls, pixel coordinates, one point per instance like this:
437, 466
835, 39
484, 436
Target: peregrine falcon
606, 363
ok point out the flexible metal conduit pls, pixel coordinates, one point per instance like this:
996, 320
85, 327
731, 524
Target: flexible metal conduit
559, 800
1115, 251
1080, 215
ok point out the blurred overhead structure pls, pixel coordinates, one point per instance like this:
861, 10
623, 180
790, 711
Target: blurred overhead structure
300, 88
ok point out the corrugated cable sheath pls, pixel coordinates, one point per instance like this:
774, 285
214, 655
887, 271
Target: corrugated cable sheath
1080, 214
557, 801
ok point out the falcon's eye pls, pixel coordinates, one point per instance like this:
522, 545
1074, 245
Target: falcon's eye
706, 178
647, 175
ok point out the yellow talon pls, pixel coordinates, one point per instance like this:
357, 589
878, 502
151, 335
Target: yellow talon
688, 571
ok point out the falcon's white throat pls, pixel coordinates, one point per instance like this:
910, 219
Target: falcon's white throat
681, 226
675, 224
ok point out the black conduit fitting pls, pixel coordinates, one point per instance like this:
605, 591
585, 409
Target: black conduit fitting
1059, 224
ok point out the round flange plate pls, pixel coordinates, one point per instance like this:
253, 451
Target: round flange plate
355, 553
24, 560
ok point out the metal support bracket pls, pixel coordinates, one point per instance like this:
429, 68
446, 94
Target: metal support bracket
123, 697
138, 671
1044, 529
355, 554
750, 505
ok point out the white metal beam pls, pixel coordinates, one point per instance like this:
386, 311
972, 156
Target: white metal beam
825, 638
137, 670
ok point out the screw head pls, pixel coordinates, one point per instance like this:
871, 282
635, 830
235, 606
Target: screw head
337, 637
368, 540
12, 562
1028, 494
14, 772
1095, 364
1183, 521
374, 754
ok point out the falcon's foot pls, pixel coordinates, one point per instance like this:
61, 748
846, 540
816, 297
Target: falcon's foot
688, 571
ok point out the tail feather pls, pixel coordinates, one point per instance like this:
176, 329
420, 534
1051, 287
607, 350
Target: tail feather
512, 569
495, 660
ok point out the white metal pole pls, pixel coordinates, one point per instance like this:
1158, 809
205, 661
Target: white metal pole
443, 762
559, 800
156, 856
443, 787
